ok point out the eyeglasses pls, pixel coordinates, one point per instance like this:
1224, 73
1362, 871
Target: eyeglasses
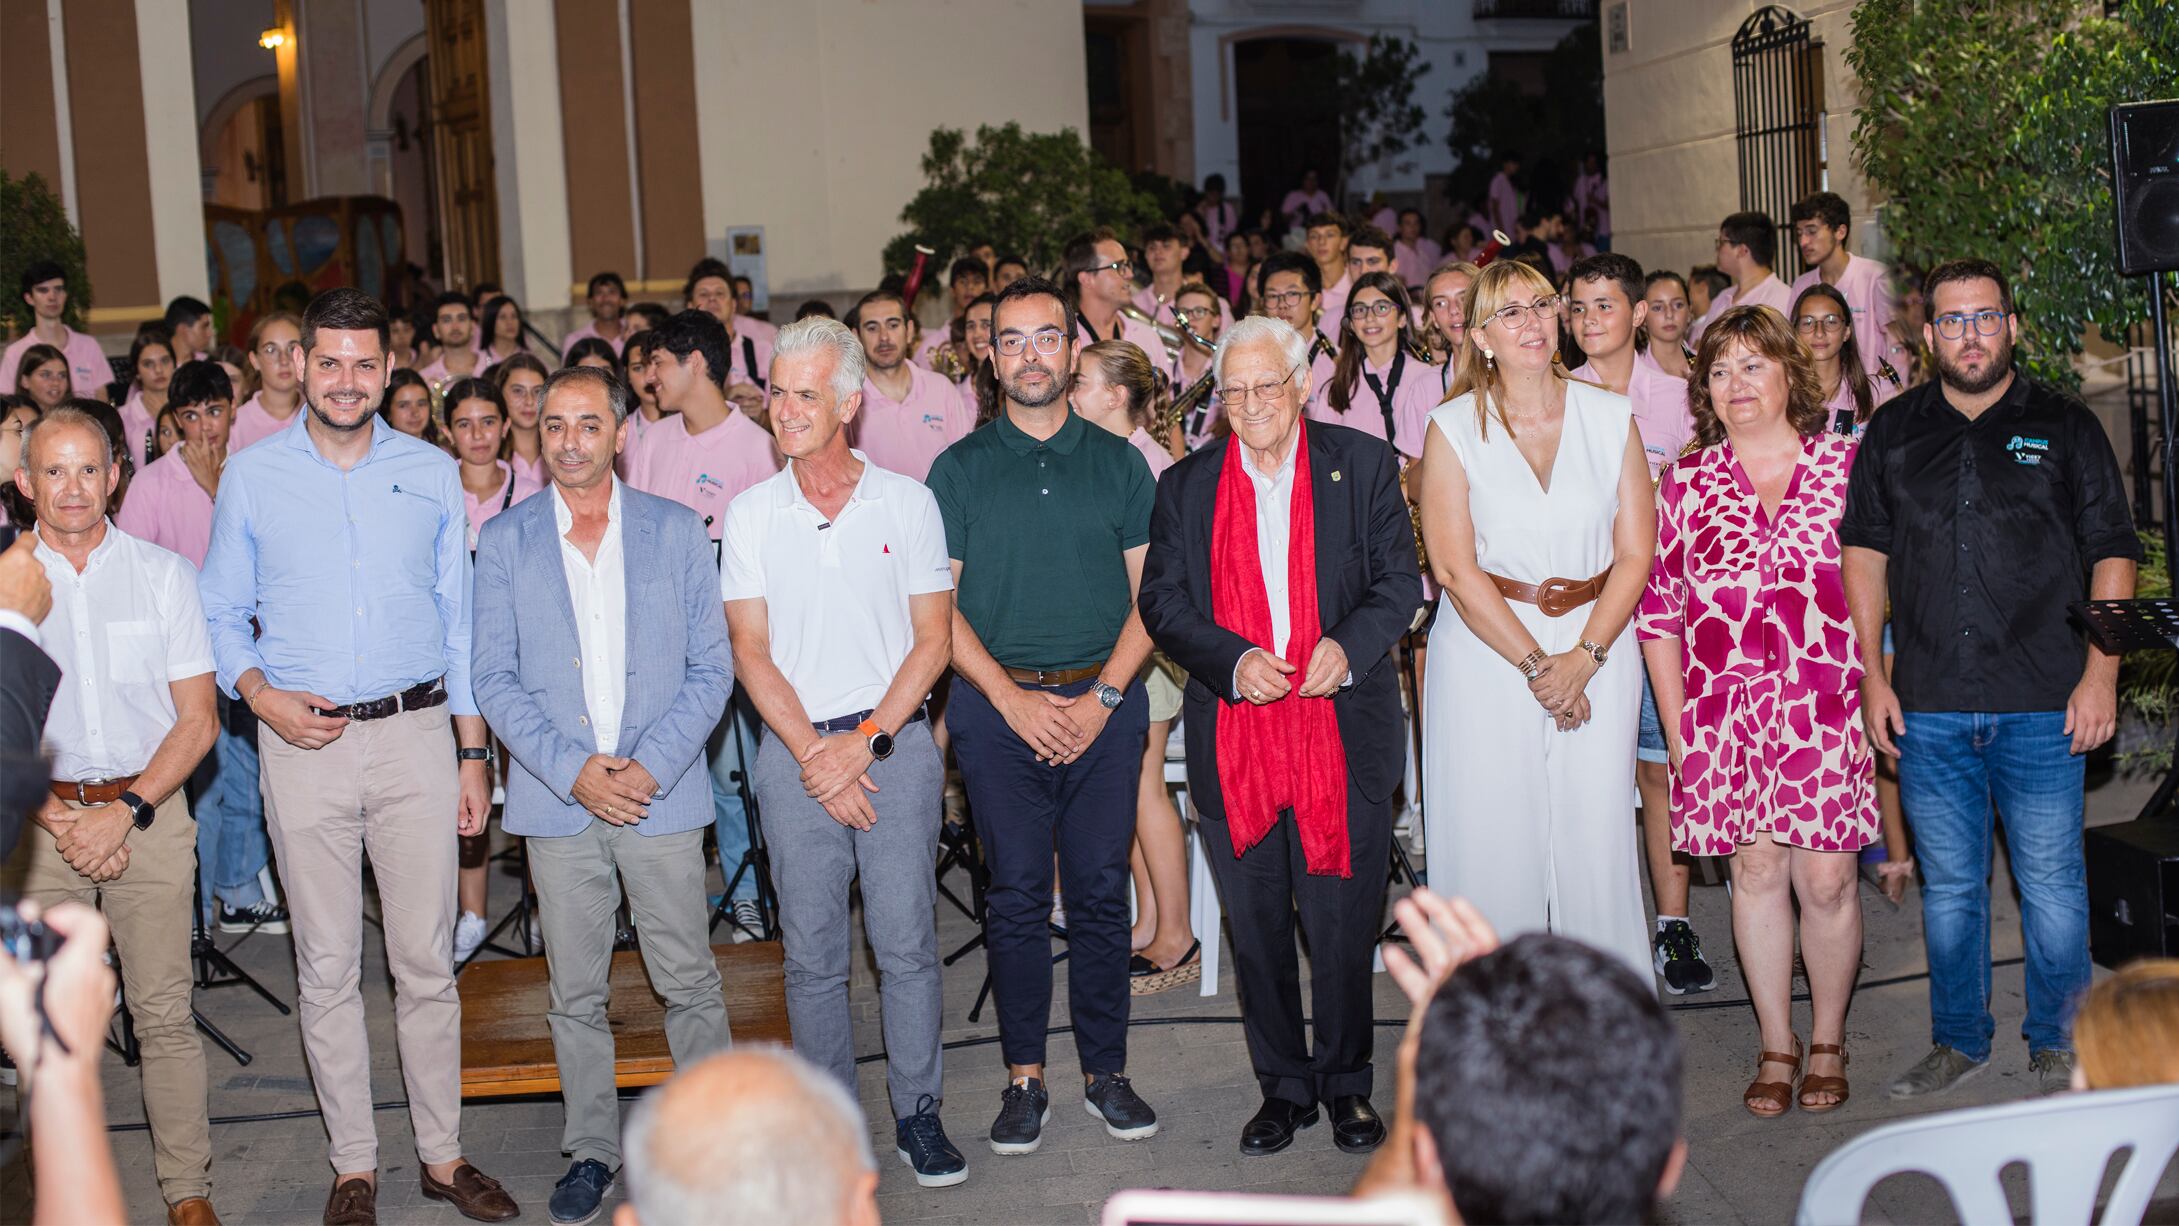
1280, 300
1514, 317
1125, 268
1047, 342
1953, 326
1235, 396
1820, 323
1197, 313
1359, 311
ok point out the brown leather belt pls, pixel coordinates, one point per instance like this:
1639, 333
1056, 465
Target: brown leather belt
1064, 676
93, 791
1556, 597
419, 697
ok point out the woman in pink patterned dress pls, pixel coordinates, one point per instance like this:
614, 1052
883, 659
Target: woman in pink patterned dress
1756, 670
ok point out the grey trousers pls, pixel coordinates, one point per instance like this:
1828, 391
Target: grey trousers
814, 862
577, 895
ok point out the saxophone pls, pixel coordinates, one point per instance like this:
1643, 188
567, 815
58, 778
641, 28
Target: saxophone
1184, 402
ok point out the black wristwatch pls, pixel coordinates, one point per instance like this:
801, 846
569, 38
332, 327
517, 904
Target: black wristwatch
480, 754
140, 811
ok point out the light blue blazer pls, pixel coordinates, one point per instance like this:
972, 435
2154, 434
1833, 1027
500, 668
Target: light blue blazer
526, 662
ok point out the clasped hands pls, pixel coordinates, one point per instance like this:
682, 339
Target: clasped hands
93, 841
1559, 687
836, 774
617, 791
1262, 677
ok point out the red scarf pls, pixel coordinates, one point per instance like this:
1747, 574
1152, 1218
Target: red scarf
1284, 754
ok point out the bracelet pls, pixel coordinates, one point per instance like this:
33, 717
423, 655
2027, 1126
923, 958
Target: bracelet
1595, 652
251, 700
1530, 664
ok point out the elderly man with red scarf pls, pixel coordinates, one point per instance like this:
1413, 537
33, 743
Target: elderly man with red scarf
1281, 571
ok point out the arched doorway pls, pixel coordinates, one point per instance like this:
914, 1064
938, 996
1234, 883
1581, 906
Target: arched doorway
1278, 132
402, 163
240, 148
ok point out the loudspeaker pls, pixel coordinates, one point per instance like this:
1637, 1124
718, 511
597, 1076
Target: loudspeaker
2145, 185
2133, 890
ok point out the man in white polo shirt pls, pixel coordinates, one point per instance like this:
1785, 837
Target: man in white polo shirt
839, 601
132, 718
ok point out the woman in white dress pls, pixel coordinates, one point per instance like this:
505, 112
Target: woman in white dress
1540, 520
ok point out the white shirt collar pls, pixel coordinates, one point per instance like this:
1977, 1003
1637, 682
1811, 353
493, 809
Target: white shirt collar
1284, 471
564, 519
50, 556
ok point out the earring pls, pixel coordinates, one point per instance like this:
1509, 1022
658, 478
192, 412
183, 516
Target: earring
1489, 359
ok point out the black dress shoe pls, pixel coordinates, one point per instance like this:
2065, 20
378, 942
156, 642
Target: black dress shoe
1356, 1127
1273, 1126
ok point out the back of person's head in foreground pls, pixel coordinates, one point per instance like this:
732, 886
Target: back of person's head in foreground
2127, 1030
750, 1137
1548, 1082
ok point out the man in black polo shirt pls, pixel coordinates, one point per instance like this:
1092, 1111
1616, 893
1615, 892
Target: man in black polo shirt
1982, 504
1047, 521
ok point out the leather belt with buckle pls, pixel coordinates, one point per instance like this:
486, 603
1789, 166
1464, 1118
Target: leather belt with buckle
1048, 676
1556, 597
419, 697
849, 723
93, 791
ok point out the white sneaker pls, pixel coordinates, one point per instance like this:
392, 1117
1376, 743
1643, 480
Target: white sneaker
468, 935
748, 921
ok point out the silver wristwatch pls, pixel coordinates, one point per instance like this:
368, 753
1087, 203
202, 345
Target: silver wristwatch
1596, 651
1107, 695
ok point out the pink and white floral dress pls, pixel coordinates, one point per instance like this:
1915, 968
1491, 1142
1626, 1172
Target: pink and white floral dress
1772, 721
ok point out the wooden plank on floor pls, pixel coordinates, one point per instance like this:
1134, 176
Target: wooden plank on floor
507, 1043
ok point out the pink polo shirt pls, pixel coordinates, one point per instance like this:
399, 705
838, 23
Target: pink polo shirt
1307, 204
1841, 405
1770, 292
904, 436
88, 370
1332, 305
1157, 457
1412, 400
750, 325
252, 423
167, 507
1144, 336
1661, 415
705, 471
137, 423
438, 376
1866, 285
516, 484
1501, 205
591, 330
1415, 263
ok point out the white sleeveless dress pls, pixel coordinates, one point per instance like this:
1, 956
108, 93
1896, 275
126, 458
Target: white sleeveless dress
1533, 825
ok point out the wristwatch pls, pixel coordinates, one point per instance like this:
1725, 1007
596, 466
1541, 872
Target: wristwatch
1108, 696
881, 741
481, 753
140, 810
1596, 652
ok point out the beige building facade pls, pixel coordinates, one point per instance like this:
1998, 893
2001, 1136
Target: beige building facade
1676, 165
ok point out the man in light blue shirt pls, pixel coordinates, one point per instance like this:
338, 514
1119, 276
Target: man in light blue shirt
347, 543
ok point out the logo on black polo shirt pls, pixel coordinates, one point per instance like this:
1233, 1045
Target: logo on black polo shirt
2027, 450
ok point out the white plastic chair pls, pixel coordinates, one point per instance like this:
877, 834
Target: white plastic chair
2065, 1141
1205, 916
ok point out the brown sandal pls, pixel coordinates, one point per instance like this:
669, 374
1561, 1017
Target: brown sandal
1816, 1083
1777, 1093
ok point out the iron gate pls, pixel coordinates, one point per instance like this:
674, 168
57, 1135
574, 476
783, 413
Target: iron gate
1778, 110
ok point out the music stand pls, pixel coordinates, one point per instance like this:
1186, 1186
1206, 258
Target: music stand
755, 862
2122, 626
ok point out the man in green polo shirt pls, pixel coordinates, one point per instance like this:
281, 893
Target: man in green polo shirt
1047, 521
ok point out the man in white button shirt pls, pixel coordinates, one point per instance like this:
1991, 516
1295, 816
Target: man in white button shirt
134, 715
600, 660
839, 599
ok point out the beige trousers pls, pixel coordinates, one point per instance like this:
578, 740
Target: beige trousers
387, 788
147, 907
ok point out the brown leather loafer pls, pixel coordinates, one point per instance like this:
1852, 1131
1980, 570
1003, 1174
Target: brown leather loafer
354, 1202
476, 1194
192, 1211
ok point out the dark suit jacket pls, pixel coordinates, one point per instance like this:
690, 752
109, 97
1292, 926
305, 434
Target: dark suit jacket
28, 678
1367, 592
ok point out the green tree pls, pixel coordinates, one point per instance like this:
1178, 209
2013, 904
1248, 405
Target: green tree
1023, 192
1550, 131
36, 228
1983, 125
1373, 96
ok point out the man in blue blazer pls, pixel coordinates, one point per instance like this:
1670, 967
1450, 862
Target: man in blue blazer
601, 663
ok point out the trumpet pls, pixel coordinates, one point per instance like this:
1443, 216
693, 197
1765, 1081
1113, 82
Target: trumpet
1166, 332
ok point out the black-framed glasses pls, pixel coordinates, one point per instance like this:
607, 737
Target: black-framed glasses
1820, 323
1236, 395
1282, 299
1046, 341
1359, 311
1198, 314
1953, 326
1125, 268
1514, 316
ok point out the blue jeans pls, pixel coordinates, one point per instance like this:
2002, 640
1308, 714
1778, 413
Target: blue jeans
232, 845
734, 739
1957, 771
